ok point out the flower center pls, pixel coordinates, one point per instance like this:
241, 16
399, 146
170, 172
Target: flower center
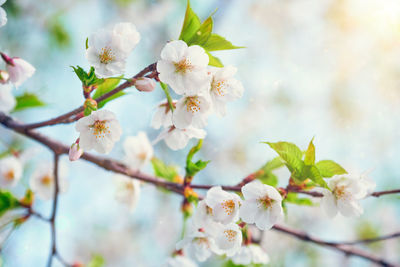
46, 180
230, 235
183, 66
10, 175
265, 202
142, 156
218, 88
228, 206
340, 192
129, 186
106, 55
203, 241
193, 104
209, 210
100, 129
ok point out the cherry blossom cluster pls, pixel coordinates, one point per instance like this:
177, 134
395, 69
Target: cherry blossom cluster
203, 90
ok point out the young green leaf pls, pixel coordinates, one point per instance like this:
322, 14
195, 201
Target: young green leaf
7, 202
309, 158
214, 61
329, 168
202, 34
28, 100
191, 24
216, 42
162, 170
108, 85
194, 167
295, 199
312, 172
96, 261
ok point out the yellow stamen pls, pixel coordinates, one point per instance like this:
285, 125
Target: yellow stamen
106, 55
46, 180
183, 66
193, 104
228, 206
10, 175
230, 234
266, 202
219, 87
100, 129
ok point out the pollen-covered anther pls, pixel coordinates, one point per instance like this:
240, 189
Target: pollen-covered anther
106, 55
340, 192
219, 87
10, 175
183, 66
230, 235
228, 206
265, 202
100, 129
193, 104
46, 180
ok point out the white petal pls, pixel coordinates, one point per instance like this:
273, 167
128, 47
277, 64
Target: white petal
248, 211
328, 203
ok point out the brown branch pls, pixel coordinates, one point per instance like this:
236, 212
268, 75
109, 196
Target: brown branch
348, 250
68, 117
108, 164
369, 240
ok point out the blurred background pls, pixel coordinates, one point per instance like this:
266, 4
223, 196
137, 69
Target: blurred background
328, 69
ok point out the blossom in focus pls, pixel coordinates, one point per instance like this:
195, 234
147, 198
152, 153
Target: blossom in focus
128, 191
108, 49
42, 181
99, 131
344, 195
228, 239
250, 254
224, 88
138, 150
203, 216
7, 100
3, 14
10, 171
178, 138
262, 205
191, 110
223, 205
179, 261
163, 115
75, 152
19, 70
145, 84
184, 68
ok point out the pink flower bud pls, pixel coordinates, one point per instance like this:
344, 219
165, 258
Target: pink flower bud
4, 76
145, 84
18, 69
75, 152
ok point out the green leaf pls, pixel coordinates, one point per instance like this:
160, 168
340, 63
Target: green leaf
265, 175
89, 78
194, 167
107, 86
216, 42
214, 61
312, 172
191, 24
329, 168
309, 158
87, 43
291, 155
201, 36
7, 202
273, 164
268, 178
96, 261
294, 199
28, 100
168, 172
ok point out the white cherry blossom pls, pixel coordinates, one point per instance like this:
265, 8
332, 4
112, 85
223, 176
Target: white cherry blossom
19, 70
98, 131
344, 195
224, 88
11, 170
138, 150
191, 110
203, 216
262, 205
228, 239
42, 180
250, 254
184, 68
3, 14
199, 244
108, 49
163, 115
178, 138
179, 261
128, 191
224, 206
7, 100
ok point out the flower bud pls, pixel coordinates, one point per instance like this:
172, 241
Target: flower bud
75, 152
190, 194
4, 76
89, 106
145, 84
18, 69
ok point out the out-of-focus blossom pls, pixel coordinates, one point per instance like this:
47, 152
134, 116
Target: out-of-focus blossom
128, 191
179, 261
138, 150
10, 171
3, 14
250, 254
18, 69
42, 180
7, 100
